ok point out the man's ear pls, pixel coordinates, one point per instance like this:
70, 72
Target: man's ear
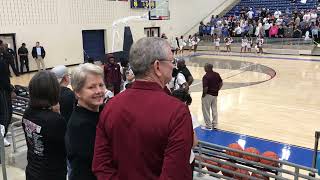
156, 68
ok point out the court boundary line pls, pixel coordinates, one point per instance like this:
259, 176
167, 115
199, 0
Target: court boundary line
261, 57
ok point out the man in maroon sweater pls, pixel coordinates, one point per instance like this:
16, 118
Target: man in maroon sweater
143, 133
112, 74
212, 83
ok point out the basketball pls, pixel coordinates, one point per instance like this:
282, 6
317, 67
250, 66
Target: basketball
213, 163
228, 168
272, 155
253, 151
259, 176
242, 171
237, 147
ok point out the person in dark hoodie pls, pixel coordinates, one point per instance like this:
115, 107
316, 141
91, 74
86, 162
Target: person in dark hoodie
112, 74
87, 83
6, 92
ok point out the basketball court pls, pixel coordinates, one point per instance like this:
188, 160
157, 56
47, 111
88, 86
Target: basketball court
283, 108
267, 101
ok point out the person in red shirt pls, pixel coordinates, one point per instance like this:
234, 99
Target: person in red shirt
143, 133
112, 74
212, 83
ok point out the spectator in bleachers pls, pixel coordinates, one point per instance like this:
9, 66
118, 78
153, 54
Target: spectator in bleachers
306, 29
277, 14
125, 145
297, 33
279, 21
313, 16
273, 32
281, 31
297, 21
201, 29
286, 19
315, 31
242, 12
287, 11
259, 30
251, 30
289, 31
44, 130
306, 17
250, 14
213, 20
238, 31
266, 28
263, 12
88, 85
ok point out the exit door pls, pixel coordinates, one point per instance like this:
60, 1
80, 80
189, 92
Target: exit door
152, 31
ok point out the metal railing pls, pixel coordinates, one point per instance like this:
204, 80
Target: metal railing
18, 137
316, 164
3, 157
216, 153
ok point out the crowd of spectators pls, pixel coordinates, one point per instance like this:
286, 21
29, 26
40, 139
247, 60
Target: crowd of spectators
252, 22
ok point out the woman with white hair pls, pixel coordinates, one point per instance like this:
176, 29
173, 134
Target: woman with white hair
88, 85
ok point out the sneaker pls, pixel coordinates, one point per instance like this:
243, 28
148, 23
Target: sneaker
6, 142
206, 127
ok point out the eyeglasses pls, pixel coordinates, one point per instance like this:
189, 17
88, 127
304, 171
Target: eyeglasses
166, 60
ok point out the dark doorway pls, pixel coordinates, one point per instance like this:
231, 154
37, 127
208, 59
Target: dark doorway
152, 31
93, 45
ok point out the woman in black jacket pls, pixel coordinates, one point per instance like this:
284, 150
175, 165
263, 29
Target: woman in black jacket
88, 85
44, 130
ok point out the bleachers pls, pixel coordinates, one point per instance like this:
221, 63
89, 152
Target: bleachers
273, 5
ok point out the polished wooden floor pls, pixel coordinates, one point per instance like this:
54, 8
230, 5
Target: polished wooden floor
285, 108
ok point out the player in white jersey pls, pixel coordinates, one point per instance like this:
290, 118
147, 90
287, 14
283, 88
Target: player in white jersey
216, 41
244, 43
228, 40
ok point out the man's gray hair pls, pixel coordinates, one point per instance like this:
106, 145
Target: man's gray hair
145, 51
79, 75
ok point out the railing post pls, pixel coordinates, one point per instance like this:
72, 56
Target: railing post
200, 154
315, 153
14, 146
296, 173
3, 157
